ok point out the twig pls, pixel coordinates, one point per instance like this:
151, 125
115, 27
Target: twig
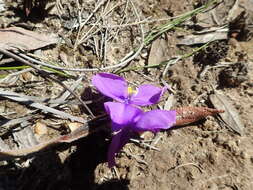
171, 63
187, 164
168, 86
66, 94
144, 144
221, 64
137, 158
155, 141
52, 102
17, 97
121, 22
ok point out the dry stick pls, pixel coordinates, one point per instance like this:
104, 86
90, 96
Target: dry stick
14, 56
144, 21
52, 102
66, 94
80, 24
145, 144
86, 36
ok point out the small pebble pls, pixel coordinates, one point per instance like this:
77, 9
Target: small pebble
40, 128
74, 125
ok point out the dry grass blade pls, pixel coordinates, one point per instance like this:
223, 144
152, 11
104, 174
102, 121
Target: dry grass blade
15, 38
231, 116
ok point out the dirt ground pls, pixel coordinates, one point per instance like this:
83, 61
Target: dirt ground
204, 155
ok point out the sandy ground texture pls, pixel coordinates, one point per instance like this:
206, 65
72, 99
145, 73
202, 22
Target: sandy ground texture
206, 53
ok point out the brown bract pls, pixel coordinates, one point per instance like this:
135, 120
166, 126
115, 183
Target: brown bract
187, 115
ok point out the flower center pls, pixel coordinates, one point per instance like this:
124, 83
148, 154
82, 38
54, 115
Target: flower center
131, 91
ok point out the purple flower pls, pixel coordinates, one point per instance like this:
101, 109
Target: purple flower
127, 120
116, 88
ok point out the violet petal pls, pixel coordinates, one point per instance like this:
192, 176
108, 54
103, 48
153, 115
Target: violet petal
122, 114
111, 85
117, 143
147, 95
155, 120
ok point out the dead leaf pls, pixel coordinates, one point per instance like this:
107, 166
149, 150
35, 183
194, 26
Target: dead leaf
221, 34
15, 38
169, 102
157, 52
230, 116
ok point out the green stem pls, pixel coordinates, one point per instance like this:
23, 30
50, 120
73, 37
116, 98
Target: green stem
165, 62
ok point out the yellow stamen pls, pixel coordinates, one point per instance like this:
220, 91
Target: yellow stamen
131, 91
